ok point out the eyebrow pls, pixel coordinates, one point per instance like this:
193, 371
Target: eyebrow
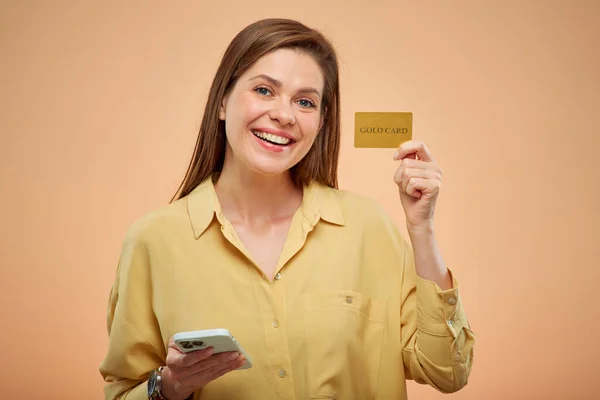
277, 84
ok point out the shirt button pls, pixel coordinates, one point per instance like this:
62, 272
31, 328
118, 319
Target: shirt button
277, 276
281, 373
349, 299
450, 323
275, 323
452, 301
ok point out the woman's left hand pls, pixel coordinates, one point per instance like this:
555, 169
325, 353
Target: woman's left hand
419, 179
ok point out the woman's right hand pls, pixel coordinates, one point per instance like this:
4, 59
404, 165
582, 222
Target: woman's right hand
187, 372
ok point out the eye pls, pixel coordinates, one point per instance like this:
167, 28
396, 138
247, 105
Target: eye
262, 90
307, 103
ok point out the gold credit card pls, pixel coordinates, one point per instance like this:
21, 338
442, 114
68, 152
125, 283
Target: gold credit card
382, 129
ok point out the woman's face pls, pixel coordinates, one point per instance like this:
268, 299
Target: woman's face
273, 113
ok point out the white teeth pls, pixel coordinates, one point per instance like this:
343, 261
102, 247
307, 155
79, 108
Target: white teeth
272, 138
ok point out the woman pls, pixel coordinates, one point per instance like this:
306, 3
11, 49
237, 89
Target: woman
317, 284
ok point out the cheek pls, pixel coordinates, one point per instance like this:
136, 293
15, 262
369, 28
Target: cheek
310, 126
243, 111
252, 110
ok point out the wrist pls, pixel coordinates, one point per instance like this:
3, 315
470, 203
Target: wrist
168, 390
154, 384
422, 229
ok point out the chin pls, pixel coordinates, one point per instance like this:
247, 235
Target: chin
269, 169
268, 166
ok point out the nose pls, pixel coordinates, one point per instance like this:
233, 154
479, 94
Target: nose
283, 112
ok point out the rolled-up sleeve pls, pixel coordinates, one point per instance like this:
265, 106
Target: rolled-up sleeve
135, 346
436, 335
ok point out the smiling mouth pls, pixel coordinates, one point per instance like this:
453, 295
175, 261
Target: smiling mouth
273, 139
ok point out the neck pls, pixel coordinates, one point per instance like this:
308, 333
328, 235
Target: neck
250, 198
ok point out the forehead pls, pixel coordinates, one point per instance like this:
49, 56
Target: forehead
293, 68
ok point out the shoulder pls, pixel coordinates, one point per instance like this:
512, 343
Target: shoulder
157, 224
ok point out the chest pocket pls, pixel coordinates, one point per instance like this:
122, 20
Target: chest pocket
344, 333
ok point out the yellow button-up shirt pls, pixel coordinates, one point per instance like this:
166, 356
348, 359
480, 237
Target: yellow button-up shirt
346, 316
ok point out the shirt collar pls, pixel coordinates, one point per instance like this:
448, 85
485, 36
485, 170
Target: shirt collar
318, 202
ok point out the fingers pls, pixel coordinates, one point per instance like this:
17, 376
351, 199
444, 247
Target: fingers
195, 376
219, 368
413, 148
177, 359
217, 362
418, 174
207, 365
416, 186
420, 164
408, 177
235, 365
187, 372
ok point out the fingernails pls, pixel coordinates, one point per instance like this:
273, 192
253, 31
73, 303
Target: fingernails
396, 154
232, 356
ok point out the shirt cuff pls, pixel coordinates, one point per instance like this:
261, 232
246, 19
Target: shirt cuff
139, 392
439, 312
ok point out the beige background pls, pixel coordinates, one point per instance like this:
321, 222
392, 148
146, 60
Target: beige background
99, 107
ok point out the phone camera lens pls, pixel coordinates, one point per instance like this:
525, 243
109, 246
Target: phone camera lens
198, 344
186, 345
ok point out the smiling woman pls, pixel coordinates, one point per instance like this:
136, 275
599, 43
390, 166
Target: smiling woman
317, 284
261, 60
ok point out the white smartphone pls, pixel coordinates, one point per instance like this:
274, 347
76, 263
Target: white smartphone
221, 340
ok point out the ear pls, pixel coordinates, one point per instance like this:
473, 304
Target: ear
322, 121
222, 108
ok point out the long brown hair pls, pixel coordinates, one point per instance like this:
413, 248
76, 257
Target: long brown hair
253, 42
